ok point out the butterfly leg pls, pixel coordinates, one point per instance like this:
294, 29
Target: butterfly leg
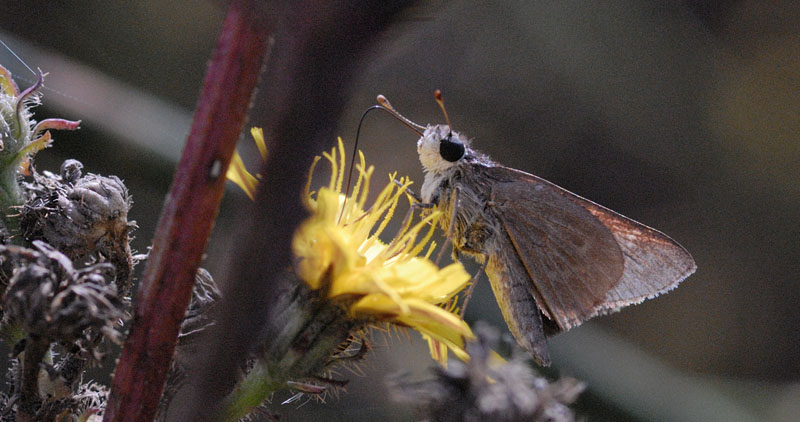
451, 226
407, 219
415, 196
471, 287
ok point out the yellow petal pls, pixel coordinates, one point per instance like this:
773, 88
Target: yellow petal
258, 136
420, 278
428, 319
238, 174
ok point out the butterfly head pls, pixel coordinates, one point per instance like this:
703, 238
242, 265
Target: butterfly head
440, 148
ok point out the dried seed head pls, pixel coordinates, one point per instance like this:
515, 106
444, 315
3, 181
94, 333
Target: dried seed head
87, 404
82, 216
205, 295
52, 300
92, 398
478, 390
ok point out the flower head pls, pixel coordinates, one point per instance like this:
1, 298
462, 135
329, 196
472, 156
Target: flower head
81, 216
339, 252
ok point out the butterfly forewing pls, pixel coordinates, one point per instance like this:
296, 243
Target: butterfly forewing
582, 259
571, 258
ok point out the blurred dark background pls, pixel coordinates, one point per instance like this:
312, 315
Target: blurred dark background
683, 115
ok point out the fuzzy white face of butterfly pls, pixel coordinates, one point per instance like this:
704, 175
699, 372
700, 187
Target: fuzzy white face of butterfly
440, 150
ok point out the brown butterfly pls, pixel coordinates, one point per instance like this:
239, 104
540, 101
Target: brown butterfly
554, 259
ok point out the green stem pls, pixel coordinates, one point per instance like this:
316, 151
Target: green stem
301, 354
10, 198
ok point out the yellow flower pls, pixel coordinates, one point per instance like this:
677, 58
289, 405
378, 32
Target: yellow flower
338, 251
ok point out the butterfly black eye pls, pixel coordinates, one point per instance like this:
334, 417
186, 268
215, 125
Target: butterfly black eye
450, 149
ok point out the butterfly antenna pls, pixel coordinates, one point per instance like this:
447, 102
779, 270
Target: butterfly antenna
353, 159
438, 95
387, 106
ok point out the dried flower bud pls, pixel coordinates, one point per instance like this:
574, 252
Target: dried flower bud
81, 216
205, 295
52, 300
480, 390
92, 399
71, 171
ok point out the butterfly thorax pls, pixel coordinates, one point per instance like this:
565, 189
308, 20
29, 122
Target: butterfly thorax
475, 224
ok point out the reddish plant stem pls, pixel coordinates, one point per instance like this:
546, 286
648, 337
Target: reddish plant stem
188, 214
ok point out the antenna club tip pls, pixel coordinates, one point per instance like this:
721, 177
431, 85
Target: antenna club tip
438, 95
386, 106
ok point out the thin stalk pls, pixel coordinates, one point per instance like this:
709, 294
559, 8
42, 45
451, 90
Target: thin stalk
188, 214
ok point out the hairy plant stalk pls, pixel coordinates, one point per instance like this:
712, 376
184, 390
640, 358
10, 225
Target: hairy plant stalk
305, 335
189, 213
